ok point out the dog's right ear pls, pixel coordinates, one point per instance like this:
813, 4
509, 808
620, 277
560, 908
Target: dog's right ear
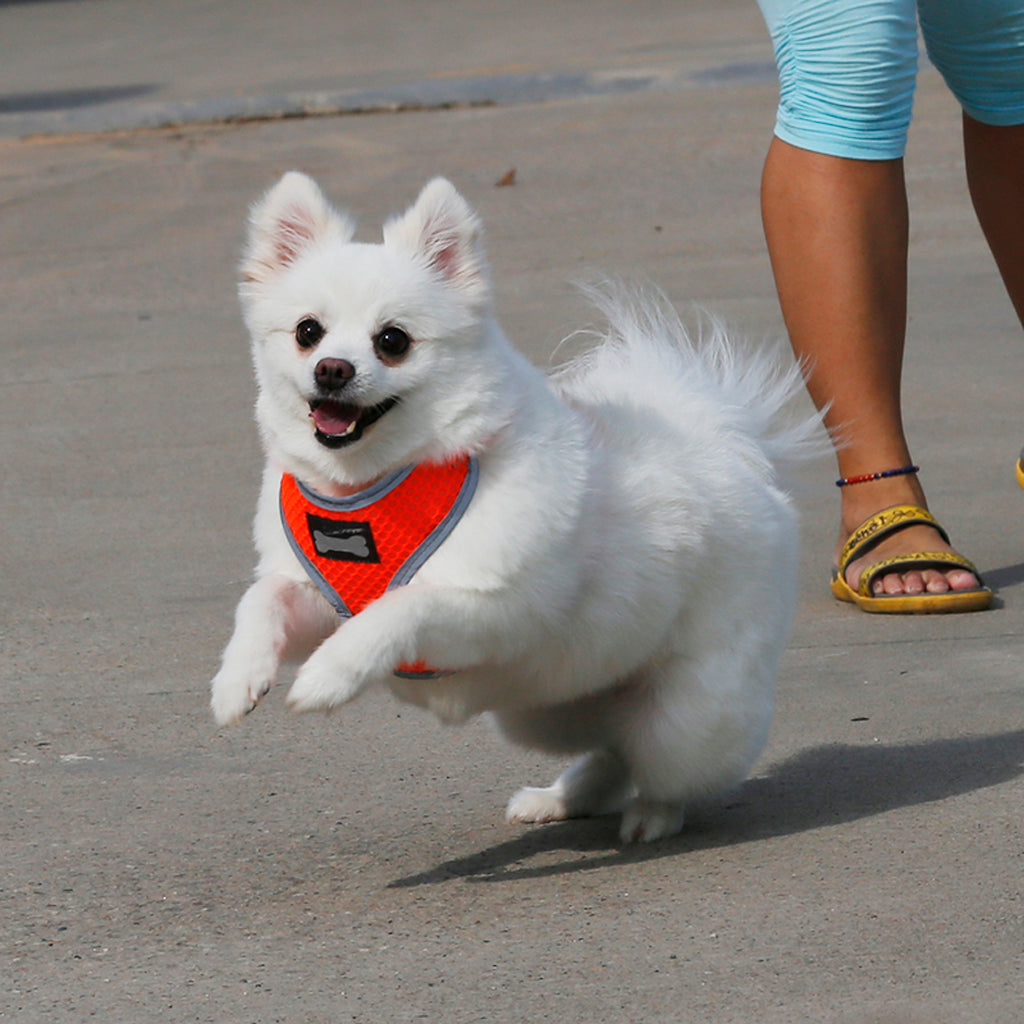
285, 222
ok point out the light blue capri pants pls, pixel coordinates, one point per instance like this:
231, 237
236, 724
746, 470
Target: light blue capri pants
847, 68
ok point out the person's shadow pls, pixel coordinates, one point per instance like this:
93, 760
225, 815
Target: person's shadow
816, 788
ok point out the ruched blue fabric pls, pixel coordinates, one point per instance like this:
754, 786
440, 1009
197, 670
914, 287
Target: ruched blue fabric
848, 68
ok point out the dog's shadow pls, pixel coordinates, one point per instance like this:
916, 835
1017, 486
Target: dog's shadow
816, 788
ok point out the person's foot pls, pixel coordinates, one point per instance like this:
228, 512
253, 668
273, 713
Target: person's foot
912, 539
861, 501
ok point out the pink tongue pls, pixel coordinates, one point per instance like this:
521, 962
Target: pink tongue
334, 417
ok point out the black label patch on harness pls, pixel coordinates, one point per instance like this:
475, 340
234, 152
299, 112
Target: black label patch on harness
342, 540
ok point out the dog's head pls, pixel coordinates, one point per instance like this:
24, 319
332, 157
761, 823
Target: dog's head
368, 357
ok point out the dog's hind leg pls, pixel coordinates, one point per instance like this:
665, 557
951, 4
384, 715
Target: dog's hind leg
694, 737
598, 783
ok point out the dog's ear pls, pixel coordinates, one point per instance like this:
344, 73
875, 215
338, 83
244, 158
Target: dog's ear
442, 231
285, 222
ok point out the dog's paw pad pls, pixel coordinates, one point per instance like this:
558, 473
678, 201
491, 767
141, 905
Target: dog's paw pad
531, 805
644, 821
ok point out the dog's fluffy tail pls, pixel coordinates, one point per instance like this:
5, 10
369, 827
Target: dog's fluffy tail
648, 357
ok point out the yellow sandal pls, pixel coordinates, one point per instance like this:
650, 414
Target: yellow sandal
869, 533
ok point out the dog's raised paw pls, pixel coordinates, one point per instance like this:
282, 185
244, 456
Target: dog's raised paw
536, 805
309, 695
232, 699
317, 688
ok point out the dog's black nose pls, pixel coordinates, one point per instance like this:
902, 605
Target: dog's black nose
333, 374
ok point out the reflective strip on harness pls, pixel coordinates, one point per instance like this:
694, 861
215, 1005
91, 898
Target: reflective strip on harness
357, 547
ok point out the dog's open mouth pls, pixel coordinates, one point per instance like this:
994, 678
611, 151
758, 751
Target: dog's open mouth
340, 423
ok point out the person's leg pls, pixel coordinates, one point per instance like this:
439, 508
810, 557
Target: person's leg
837, 236
977, 45
995, 176
835, 218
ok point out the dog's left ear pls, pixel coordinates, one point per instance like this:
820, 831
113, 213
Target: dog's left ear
442, 231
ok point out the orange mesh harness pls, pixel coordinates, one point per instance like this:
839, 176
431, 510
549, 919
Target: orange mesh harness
357, 547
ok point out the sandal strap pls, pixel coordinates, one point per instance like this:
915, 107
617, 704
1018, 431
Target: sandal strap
883, 523
918, 560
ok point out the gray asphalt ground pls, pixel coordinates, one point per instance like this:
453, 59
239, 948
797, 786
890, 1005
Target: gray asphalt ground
357, 868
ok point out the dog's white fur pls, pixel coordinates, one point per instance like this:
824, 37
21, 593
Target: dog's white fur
623, 581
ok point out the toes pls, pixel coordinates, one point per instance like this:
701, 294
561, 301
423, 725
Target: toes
915, 582
936, 582
895, 584
928, 581
961, 579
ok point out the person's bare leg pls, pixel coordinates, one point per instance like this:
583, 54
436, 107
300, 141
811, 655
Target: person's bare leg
995, 176
837, 235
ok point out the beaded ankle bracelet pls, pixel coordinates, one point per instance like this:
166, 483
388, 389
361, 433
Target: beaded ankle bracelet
867, 477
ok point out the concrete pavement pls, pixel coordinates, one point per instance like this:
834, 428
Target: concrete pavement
357, 868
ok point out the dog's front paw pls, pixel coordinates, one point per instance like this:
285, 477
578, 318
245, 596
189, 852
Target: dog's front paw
234, 695
321, 685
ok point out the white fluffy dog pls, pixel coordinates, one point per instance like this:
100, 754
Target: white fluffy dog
611, 568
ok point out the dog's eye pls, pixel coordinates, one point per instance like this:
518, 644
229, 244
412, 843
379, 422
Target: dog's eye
391, 343
308, 332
